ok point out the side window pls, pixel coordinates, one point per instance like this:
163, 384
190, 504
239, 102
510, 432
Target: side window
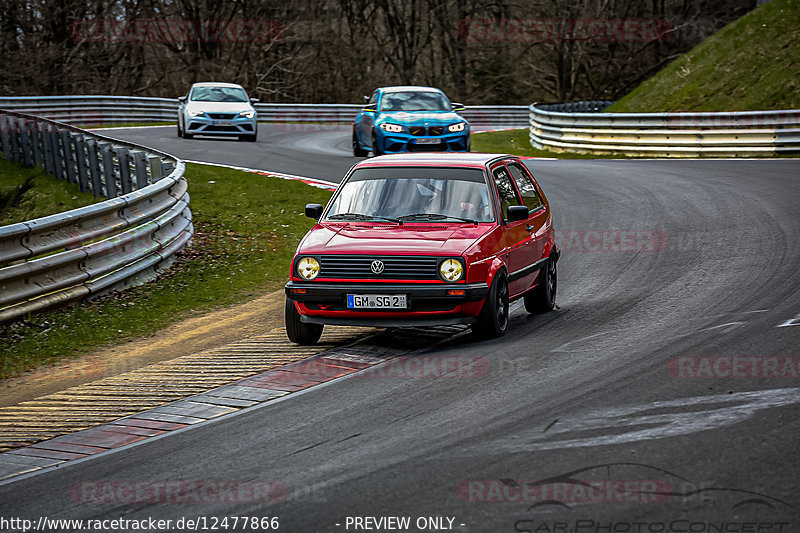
374, 98
505, 190
529, 193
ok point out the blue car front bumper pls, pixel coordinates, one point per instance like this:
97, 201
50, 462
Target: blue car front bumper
391, 143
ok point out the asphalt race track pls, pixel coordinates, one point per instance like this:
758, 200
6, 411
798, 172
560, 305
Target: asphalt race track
670, 269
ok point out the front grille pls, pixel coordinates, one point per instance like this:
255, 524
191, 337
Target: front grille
221, 128
222, 116
426, 147
395, 267
435, 130
422, 130
417, 130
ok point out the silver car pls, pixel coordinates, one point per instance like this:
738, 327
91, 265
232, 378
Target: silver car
213, 108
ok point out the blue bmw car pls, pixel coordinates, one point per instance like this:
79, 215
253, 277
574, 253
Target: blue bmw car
409, 119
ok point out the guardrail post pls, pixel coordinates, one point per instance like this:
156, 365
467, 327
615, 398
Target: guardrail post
124, 169
36, 143
140, 168
5, 134
12, 132
110, 176
47, 151
94, 168
167, 167
69, 160
58, 154
25, 143
80, 158
156, 170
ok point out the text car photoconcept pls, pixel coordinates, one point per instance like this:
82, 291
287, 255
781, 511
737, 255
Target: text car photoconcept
423, 240
409, 119
217, 109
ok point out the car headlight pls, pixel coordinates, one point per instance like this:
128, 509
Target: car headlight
194, 113
247, 114
308, 268
392, 128
453, 128
451, 270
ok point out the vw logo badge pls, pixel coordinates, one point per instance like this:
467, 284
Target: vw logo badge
376, 267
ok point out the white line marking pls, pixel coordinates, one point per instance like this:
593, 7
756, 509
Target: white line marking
791, 322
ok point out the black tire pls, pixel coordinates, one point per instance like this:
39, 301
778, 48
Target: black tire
375, 150
297, 331
493, 320
543, 298
357, 150
187, 135
180, 133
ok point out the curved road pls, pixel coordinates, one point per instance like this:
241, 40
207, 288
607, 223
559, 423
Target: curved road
670, 269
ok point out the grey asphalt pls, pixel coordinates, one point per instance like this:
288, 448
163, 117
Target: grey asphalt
662, 259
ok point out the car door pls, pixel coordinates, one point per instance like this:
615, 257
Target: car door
536, 225
516, 237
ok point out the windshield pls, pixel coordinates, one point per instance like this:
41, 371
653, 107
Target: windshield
415, 101
218, 94
414, 194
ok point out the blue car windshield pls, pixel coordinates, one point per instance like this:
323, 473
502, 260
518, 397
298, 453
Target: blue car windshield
414, 194
415, 101
218, 94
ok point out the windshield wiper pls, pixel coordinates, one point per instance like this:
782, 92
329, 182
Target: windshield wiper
435, 216
360, 216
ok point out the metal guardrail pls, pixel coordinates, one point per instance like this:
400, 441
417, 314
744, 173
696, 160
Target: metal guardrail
100, 110
582, 127
122, 241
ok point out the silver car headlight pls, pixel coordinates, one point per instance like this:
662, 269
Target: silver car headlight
308, 268
454, 128
451, 270
194, 112
247, 114
392, 128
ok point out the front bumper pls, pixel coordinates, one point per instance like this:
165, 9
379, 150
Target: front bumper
203, 125
427, 304
392, 143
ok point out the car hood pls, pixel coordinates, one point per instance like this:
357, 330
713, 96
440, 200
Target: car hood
219, 107
409, 239
422, 117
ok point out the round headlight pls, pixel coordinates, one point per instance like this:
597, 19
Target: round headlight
457, 127
308, 268
451, 270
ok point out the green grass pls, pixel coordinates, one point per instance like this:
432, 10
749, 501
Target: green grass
28, 193
247, 228
517, 142
752, 64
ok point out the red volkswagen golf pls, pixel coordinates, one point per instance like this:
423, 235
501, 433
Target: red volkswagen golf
423, 240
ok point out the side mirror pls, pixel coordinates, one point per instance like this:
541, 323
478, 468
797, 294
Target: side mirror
458, 107
182, 99
370, 108
314, 211
366, 98
254, 100
515, 212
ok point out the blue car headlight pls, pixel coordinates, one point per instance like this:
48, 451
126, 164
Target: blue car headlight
247, 114
392, 128
459, 126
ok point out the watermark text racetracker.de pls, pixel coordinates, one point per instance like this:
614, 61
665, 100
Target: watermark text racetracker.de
103, 525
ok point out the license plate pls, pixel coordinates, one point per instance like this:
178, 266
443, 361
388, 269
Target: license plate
222, 123
376, 301
428, 141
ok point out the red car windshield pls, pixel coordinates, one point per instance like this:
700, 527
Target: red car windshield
414, 194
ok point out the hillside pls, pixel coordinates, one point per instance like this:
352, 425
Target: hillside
751, 64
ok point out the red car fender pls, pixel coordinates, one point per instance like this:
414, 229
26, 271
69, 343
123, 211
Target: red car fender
497, 265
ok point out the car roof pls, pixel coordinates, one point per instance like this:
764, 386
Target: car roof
416, 88
216, 84
433, 159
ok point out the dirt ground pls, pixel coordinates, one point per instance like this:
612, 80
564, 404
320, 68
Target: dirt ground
184, 338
